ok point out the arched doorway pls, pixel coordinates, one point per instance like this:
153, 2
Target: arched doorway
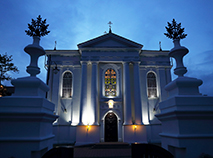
111, 127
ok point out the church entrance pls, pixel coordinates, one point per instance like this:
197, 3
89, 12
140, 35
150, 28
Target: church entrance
111, 127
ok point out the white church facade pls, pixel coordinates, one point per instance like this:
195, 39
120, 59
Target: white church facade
107, 91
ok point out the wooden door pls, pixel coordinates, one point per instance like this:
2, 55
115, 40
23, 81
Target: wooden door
111, 127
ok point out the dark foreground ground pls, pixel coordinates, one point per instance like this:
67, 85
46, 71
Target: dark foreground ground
109, 150
99, 150
104, 150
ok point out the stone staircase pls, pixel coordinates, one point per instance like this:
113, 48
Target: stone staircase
111, 145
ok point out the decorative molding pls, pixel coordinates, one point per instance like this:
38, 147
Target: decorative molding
106, 66
26, 139
189, 136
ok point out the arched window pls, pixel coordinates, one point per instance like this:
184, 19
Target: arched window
67, 85
110, 82
151, 85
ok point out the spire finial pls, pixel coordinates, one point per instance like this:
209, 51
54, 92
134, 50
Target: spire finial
55, 45
160, 45
110, 23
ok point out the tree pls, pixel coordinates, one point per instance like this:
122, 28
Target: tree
6, 65
37, 27
174, 31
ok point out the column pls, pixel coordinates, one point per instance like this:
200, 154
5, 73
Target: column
94, 88
126, 95
83, 99
137, 94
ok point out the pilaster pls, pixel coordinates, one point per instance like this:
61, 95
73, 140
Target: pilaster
144, 98
94, 91
127, 95
162, 83
83, 99
137, 95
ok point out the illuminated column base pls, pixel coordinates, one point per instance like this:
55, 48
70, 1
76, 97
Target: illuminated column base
87, 135
134, 133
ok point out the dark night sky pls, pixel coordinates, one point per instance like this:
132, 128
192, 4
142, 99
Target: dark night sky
75, 21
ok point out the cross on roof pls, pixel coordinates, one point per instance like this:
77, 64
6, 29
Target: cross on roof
110, 23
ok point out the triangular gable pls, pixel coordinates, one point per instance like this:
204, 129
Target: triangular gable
109, 40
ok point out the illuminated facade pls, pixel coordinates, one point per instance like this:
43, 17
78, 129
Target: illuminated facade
107, 90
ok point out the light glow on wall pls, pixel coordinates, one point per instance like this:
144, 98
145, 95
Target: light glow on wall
110, 103
74, 123
75, 118
88, 116
152, 96
55, 122
145, 118
88, 113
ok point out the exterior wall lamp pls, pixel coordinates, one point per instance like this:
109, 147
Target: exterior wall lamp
49, 63
135, 127
110, 103
88, 128
55, 70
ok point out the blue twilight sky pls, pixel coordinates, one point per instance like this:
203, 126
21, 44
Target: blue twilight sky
75, 21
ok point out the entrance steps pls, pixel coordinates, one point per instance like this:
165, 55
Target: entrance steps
111, 145
104, 150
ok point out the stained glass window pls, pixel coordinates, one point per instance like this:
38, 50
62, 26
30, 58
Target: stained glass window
151, 85
110, 82
67, 85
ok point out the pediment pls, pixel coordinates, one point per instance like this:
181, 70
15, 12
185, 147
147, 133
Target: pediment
109, 40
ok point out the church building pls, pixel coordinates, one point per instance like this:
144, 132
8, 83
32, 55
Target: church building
108, 90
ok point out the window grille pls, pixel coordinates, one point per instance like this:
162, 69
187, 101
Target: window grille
67, 85
151, 85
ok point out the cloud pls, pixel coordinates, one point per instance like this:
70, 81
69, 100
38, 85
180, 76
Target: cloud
201, 68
